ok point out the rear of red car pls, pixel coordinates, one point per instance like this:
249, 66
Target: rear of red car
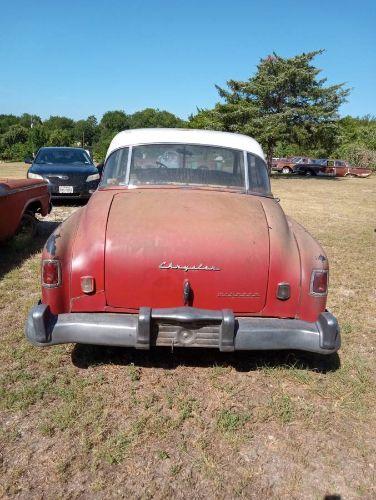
180, 264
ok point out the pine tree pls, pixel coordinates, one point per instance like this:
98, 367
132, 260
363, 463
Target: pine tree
284, 101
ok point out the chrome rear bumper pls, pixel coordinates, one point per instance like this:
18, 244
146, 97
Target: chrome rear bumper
183, 327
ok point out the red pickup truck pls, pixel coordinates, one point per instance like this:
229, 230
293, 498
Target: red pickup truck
20, 200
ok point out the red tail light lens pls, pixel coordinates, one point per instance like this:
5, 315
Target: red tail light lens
319, 282
51, 273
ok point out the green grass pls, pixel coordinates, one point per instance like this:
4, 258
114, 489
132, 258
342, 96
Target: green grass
231, 421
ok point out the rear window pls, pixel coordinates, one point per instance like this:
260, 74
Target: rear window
185, 164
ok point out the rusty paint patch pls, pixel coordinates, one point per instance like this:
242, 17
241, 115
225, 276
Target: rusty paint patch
51, 243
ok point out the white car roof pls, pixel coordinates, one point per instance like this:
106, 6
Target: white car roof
184, 136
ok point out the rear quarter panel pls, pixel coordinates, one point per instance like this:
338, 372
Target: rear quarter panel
359, 171
89, 253
312, 256
284, 262
60, 246
79, 244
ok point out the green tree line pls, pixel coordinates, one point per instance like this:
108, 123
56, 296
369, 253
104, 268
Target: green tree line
23, 135
285, 105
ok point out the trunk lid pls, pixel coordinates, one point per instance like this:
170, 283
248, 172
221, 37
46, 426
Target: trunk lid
157, 239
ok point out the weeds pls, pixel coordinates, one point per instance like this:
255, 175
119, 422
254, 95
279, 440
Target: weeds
134, 373
115, 448
231, 421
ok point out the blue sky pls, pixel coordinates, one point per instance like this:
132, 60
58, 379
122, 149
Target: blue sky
82, 57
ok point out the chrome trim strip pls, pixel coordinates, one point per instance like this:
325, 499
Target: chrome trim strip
246, 171
57, 176
128, 171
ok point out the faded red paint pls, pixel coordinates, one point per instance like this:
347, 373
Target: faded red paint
288, 163
122, 236
349, 170
342, 168
186, 228
335, 168
18, 196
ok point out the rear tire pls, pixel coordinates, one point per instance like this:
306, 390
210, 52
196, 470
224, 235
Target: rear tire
286, 170
310, 173
28, 226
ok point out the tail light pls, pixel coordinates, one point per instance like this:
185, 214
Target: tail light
319, 282
51, 273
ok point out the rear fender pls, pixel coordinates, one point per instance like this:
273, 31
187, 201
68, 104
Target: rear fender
312, 256
59, 246
89, 254
284, 262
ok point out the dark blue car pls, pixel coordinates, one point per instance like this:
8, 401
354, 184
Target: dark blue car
70, 172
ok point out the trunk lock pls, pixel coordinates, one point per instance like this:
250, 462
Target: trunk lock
187, 293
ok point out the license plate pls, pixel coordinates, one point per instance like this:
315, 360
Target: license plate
66, 189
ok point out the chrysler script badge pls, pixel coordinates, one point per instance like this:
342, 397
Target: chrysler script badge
184, 267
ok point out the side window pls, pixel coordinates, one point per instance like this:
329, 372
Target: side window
258, 175
115, 168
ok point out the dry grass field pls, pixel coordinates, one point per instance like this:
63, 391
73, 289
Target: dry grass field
92, 422
14, 169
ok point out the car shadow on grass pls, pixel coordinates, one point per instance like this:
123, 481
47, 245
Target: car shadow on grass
18, 249
85, 356
306, 177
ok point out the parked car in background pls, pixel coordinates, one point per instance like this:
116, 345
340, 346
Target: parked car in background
70, 172
184, 245
333, 168
289, 165
20, 200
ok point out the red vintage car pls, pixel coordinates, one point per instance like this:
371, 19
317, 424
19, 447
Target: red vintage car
183, 244
289, 165
333, 168
20, 200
